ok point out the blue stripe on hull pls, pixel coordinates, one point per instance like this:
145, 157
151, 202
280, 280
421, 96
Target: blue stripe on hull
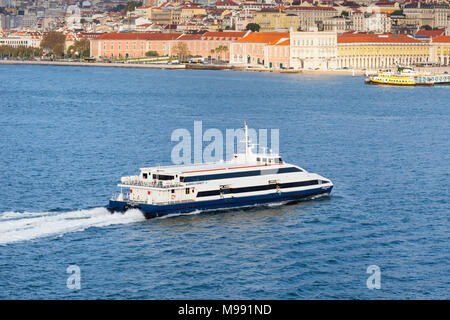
150, 210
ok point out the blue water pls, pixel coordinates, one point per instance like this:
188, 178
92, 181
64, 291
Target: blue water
67, 134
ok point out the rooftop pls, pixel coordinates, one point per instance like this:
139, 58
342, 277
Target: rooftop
212, 167
441, 39
374, 38
264, 37
429, 33
138, 36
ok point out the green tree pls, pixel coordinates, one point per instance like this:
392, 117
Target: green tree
54, 41
181, 51
20, 52
118, 8
254, 27
397, 13
224, 49
132, 5
81, 46
344, 13
219, 50
151, 54
58, 49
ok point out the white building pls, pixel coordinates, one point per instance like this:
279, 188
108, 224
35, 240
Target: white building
22, 39
378, 22
313, 50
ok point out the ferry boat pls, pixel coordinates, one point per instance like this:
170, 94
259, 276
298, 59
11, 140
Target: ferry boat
247, 179
406, 76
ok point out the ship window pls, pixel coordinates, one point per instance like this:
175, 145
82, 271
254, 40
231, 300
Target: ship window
163, 177
264, 159
288, 170
258, 159
240, 174
188, 190
144, 175
208, 193
173, 190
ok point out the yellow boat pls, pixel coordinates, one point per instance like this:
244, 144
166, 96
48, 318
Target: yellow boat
405, 76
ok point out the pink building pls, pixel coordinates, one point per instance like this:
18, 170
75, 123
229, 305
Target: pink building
132, 45
261, 49
203, 45
277, 54
135, 45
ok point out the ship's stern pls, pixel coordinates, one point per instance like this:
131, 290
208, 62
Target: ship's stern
117, 206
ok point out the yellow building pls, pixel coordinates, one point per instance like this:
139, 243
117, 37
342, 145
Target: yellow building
440, 47
372, 51
187, 12
273, 20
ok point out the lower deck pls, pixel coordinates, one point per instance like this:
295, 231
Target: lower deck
151, 211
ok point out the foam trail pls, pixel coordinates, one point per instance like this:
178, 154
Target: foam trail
172, 215
20, 226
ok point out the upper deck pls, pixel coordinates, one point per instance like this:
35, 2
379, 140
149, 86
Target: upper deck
240, 165
213, 167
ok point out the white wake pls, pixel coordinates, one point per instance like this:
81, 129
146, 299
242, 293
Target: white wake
21, 226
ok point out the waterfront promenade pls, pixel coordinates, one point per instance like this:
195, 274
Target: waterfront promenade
174, 66
98, 64
437, 70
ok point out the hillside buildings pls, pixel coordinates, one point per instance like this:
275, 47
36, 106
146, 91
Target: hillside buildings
294, 34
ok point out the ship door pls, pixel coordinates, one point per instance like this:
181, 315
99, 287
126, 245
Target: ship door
225, 192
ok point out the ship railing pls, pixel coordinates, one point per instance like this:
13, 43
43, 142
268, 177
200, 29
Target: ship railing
158, 184
116, 196
126, 197
171, 202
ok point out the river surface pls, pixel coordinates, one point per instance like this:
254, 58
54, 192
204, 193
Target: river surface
67, 135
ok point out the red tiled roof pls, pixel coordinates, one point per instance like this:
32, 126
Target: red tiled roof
281, 42
441, 39
191, 7
226, 3
311, 8
264, 37
190, 37
385, 3
374, 38
138, 36
232, 35
430, 33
